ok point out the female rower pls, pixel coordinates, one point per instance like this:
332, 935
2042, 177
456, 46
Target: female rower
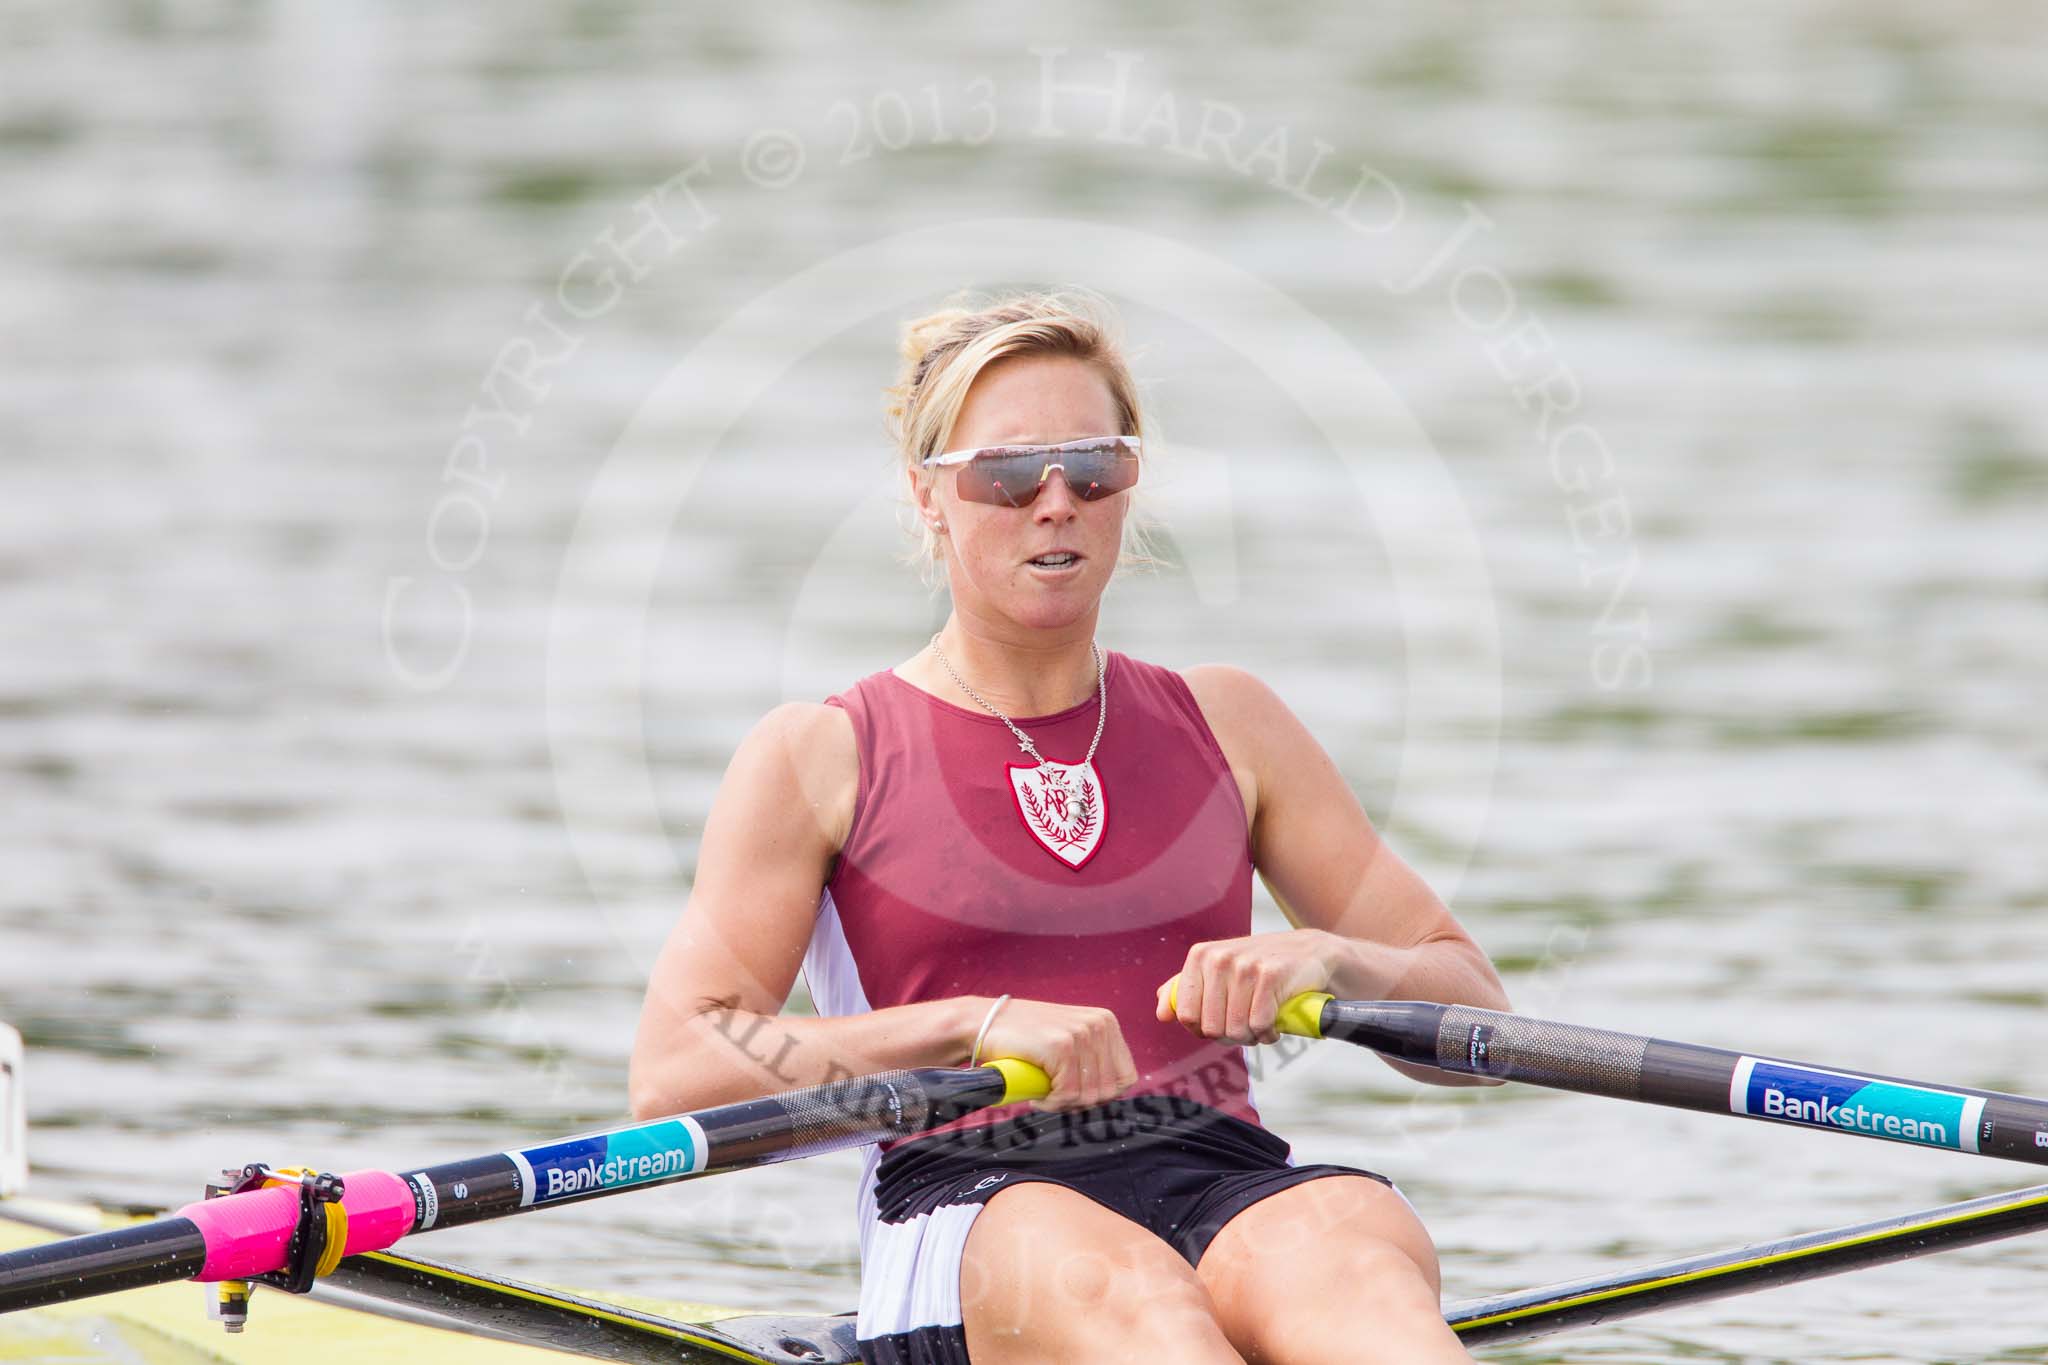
1007, 845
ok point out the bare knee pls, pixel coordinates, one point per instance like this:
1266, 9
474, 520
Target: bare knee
1307, 1268
1381, 1275
1086, 1305
1372, 1296
1048, 1274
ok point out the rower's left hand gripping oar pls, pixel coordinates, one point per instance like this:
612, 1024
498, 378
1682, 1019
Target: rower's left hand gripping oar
1300, 1015
287, 1228
1591, 1061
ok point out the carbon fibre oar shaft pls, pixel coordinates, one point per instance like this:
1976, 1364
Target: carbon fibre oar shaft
1628, 1066
239, 1236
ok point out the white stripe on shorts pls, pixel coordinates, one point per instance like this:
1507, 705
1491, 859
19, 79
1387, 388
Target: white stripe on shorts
911, 1277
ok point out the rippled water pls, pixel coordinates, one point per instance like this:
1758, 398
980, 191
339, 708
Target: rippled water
347, 796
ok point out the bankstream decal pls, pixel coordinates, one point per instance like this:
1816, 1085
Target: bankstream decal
662, 1150
1836, 1099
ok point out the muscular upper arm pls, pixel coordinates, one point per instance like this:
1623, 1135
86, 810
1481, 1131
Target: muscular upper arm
1312, 842
775, 826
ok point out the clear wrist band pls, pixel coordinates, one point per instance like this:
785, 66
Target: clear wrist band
974, 1057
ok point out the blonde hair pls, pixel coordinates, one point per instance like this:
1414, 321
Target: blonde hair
944, 352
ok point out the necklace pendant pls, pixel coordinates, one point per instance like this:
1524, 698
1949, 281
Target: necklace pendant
1063, 807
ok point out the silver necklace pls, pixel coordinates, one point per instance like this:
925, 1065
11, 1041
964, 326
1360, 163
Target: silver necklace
1024, 740
1061, 803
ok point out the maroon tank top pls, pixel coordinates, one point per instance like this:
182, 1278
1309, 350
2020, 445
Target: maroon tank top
942, 889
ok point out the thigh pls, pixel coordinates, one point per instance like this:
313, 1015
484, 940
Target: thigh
1049, 1274
1343, 1259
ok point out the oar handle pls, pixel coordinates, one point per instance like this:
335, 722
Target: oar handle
1022, 1080
1300, 1015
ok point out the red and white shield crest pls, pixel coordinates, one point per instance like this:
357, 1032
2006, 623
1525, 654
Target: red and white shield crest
1061, 804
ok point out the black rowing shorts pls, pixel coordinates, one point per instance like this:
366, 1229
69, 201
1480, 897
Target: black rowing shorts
1177, 1168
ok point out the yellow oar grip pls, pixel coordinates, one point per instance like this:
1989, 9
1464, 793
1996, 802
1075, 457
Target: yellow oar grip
1024, 1081
1302, 1016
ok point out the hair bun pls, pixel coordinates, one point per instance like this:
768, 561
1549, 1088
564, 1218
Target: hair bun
921, 334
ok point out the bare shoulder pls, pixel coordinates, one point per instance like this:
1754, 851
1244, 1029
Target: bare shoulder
1246, 715
801, 755
1242, 713
1228, 693
808, 725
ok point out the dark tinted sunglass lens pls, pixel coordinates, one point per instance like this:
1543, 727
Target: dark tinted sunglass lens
1098, 471
1004, 480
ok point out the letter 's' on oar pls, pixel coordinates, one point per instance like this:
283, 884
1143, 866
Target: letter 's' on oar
258, 1232
1627, 1066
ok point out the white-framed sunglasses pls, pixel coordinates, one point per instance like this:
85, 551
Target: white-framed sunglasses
1011, 476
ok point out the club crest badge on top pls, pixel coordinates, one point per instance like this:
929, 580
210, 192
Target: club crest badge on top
1061, 804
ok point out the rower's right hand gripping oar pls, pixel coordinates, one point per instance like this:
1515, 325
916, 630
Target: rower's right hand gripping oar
1627, 1066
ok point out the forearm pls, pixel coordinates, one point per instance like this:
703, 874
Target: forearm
1451, 971
721, 1055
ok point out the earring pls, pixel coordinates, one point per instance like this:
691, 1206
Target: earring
939, 526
